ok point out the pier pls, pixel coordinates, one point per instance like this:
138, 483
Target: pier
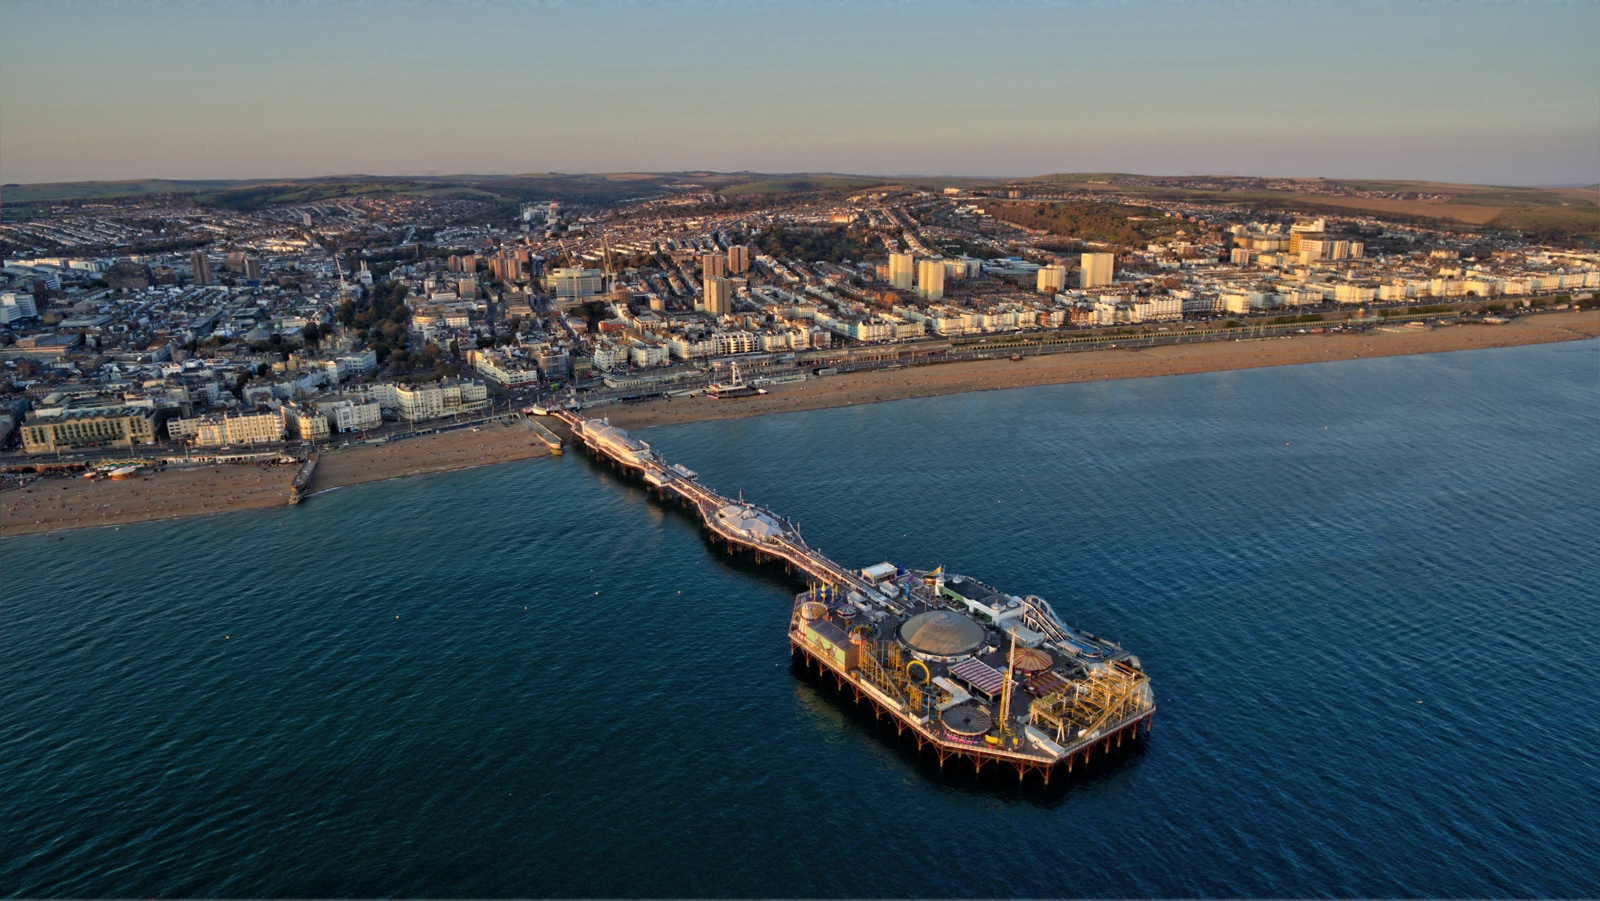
974, 674
548, 437
764, 533
302, 479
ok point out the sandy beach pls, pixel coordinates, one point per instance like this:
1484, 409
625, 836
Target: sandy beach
67, 502
460, 449
59, 503
1212, 356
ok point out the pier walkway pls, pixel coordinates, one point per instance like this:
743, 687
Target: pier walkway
745, 525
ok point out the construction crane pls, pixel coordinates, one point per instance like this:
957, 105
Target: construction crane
339, 266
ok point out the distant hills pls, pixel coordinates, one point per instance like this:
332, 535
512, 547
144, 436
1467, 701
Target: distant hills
1557, 214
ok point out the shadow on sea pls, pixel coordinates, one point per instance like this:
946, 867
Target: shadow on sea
995, 780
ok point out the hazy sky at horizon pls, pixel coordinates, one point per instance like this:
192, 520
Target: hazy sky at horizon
1493, 92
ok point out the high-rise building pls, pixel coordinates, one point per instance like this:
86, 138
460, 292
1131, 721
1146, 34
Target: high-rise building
252, 268
305, 219
718, 296
738, 258
930, 279
713, 265
17, 306
575, 283
200, 262
1096, 271
901, 269
1052, 279
1309, 247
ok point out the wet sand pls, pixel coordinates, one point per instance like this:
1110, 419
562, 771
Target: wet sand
59, 503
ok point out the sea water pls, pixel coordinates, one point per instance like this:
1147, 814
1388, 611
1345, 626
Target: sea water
1365, 592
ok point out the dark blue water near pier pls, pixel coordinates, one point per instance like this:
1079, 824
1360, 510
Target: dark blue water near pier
1366, 592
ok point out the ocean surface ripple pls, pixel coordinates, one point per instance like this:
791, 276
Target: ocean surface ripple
1366, 592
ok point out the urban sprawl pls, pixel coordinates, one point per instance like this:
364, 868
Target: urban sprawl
219, 334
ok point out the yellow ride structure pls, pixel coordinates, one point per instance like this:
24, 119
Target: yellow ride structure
1110, 693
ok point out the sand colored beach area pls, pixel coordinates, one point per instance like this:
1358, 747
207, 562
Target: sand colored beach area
59, 503
69, 502
460, 449
1213, 356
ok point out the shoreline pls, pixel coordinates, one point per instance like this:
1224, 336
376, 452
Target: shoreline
850, 389
57, 504
60, 504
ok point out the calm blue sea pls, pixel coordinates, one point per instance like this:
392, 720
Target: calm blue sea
1366, 591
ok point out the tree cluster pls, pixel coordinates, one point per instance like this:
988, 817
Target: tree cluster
829, 245
1085, 220
380, 315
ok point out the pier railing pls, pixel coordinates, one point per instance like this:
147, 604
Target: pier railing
787, 545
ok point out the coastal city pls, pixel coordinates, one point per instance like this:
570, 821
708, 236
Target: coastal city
753, 449
165, 331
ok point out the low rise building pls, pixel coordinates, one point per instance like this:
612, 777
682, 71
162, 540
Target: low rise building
219, 429
347, 414
502, 369
432, 400
305, 423
47, 431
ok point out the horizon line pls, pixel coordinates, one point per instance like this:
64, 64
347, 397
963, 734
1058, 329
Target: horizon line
797, 174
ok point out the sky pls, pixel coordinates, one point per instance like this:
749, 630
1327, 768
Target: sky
1449, 90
